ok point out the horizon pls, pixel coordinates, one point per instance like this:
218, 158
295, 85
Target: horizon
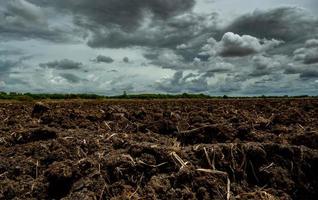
213, 47
125, 95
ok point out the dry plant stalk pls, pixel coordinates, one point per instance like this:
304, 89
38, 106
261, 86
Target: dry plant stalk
214, 171
207, 156
37, 170
263, 195
103, 191
177, 158
130, 158
112, 135
154, 166
266, 167
138, 186
253, 171
106, 124
228, 190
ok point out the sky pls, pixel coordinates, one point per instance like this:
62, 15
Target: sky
215, 47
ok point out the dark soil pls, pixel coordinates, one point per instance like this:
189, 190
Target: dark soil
172, 149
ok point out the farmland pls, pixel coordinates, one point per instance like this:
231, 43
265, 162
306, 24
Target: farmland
159, 149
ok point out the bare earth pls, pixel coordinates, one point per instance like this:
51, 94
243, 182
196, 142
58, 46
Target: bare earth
161, 149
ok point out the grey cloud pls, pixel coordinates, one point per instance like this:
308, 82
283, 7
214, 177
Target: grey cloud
126, 59
64, 64
291, 70
234, 45
303, 71
25, 10
170, 59
286, 23
311, 43
113, 71
9, 52
309, 74
151, 55
103, 59
70, 77
228, 85
217, 70
159, 34
184, 83
17, 81
309, 53
20, 19
167, 58
7, 65
265, 65
128, 14
125, 23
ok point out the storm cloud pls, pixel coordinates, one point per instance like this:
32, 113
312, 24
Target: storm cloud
103, 59
107, 46
309, 53
7, 65
64, 64
70, 77
20, 19
125, 23
286, 23
128, 14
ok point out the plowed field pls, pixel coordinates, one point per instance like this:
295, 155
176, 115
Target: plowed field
161, 149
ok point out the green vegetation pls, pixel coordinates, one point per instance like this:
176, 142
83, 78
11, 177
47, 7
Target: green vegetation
31, 97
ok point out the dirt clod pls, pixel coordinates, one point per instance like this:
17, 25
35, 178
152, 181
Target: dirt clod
39, 109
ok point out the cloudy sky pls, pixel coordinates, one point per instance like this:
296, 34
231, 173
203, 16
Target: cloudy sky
216, 47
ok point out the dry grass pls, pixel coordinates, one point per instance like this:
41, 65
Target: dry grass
179, 160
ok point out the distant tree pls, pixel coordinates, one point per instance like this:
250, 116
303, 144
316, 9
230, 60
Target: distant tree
125, 94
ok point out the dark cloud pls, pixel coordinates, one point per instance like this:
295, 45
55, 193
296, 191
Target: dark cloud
309, 74
291, 70
64, 64
126, 59
103, 59
264, 65
151, 55
304, 71
20, 19
309, 53
70, 77
158, 34
127, 14
113, 71
125, 23
6, 66
287, 24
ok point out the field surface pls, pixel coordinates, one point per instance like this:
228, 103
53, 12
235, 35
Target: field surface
161, 149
